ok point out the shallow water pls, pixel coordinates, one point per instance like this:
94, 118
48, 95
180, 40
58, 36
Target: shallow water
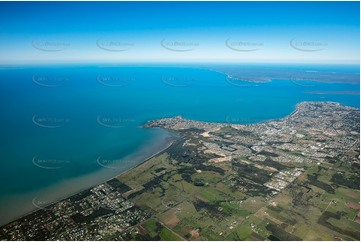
66, 128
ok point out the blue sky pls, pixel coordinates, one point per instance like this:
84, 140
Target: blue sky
57, 32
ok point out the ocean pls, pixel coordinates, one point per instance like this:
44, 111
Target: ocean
65, 128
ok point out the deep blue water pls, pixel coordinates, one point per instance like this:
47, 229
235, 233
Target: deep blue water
63, 122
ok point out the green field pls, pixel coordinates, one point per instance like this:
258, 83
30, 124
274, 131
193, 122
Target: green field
230, 200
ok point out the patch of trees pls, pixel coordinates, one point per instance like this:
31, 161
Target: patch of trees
212, 208
251, 172
353, 182
80, 195
323, 220
159, 169
153, 183
298, 198
280, 234
253, 189
79, 218
184, 154
118, 185
266, 153
274, 164
312, 179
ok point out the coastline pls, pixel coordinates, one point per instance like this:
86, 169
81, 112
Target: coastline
160, 181
295, 76
144, 161
169, 143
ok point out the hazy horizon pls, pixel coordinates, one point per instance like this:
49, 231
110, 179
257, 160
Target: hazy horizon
179, 32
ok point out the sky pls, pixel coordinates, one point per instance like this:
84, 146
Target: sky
138, 32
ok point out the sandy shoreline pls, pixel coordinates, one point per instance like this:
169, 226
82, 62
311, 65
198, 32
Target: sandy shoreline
145, 160
169, 142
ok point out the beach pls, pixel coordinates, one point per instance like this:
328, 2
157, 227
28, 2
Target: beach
25, 204
86, 148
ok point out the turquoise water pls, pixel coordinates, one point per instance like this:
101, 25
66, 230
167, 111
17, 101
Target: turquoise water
65, 122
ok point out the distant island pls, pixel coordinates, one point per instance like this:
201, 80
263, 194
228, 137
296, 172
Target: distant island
296, 178
260, 74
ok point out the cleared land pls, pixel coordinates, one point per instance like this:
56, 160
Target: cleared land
292, 179
296, 178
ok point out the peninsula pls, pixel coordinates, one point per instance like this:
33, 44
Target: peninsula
296, 178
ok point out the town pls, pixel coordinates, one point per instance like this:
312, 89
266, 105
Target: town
296, 178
